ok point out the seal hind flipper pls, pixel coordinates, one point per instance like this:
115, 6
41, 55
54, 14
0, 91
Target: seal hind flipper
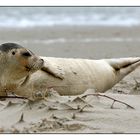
121, 63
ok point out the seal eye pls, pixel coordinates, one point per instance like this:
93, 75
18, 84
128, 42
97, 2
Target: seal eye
26, 54
13, 53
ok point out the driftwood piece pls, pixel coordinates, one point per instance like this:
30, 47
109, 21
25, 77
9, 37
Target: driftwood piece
105, 96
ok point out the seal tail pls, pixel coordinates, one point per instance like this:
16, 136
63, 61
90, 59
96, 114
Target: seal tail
125, 65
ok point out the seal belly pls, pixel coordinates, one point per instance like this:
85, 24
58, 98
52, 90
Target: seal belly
87, 74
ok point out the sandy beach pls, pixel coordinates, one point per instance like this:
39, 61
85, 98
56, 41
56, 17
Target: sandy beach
92, 114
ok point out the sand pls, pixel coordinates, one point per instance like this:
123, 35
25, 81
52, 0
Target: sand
71, 115
63, 114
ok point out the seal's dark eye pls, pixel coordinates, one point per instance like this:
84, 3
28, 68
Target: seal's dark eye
13, 53
26, 54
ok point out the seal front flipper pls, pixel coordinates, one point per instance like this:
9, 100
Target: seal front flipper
53, 70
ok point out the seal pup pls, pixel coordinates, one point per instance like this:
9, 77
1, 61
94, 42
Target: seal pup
24, 73
75, 76
16, 65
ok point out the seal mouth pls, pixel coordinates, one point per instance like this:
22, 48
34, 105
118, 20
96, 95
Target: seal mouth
34, 67
28, 68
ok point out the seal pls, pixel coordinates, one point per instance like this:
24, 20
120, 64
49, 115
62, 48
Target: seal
23, 73
70, 76
16, 65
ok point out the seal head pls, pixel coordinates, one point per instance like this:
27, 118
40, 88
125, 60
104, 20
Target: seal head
16, 63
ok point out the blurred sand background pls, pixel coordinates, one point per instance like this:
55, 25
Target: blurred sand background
75, 41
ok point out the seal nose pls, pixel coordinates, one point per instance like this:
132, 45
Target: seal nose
42, 61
